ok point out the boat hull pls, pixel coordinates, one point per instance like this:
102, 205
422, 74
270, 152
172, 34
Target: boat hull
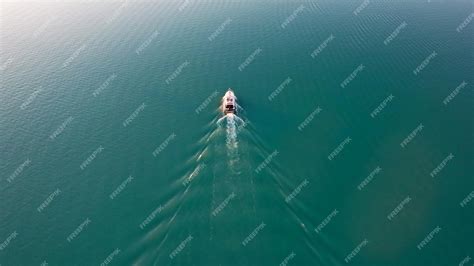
229, 103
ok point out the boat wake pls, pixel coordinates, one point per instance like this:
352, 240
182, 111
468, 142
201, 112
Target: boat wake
231, 130
233, 124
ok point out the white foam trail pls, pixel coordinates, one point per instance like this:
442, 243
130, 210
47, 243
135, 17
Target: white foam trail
233, 126
231, 130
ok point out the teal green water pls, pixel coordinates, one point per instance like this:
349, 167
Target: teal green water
110, 151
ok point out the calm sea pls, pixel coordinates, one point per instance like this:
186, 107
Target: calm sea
354, 142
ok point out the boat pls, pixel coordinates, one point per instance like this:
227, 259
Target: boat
229, 102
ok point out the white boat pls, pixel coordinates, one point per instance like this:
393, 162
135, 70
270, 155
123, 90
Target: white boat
229, 102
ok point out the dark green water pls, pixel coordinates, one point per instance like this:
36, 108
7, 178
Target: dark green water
110, 150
